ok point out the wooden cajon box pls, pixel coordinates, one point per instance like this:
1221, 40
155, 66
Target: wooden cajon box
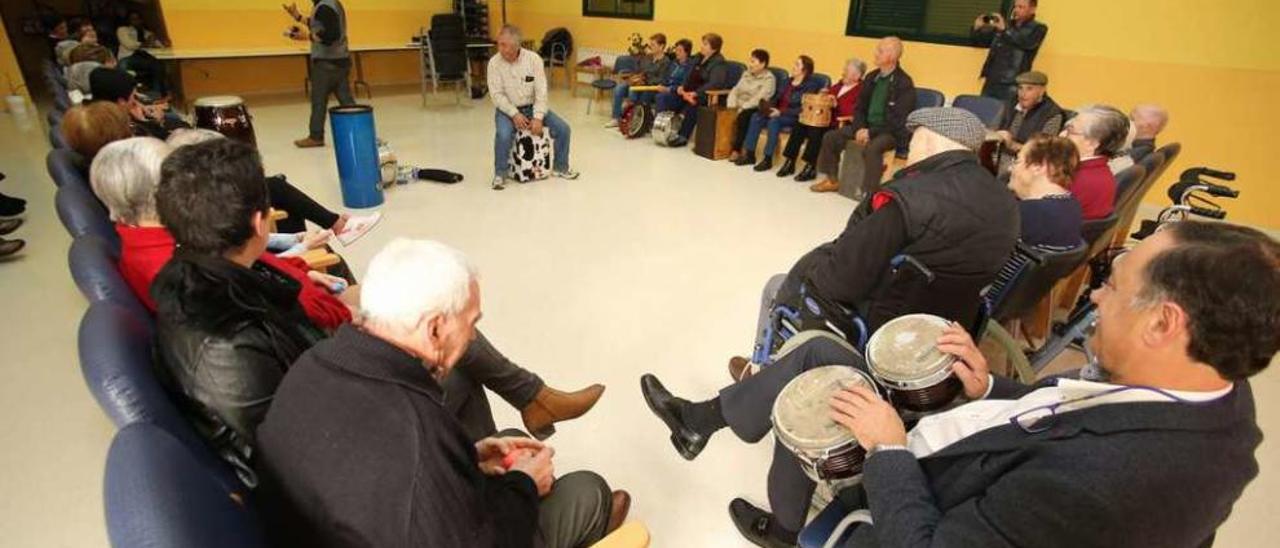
713, 137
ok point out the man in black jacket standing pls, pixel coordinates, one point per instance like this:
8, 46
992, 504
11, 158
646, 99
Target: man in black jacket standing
879, 123
943, 209
1014, 45
360, 449
330, 62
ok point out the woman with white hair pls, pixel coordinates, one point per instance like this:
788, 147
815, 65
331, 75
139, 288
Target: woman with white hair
361, 446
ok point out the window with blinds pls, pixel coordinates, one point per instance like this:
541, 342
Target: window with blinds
625, 9
937, 21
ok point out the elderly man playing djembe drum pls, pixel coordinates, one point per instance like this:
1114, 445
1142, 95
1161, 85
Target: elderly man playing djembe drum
1154, 451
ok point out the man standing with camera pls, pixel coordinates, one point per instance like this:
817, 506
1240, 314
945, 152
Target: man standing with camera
1013, 46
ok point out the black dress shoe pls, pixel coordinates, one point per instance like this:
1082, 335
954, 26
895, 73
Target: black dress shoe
807, 174
788, 167
677, 142
667, 407
753, 523
7, 226
745, 159
765, 165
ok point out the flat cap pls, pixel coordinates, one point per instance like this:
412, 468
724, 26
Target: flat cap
956, 124
1033, 77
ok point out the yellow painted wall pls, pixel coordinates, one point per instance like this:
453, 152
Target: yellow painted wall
228, 24
1216, 68
10, 72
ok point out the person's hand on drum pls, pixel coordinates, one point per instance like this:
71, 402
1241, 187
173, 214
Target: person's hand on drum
521, 121
1005, 136
492, 452
863, 136
535, 126
538, 467
869, 417
971, 366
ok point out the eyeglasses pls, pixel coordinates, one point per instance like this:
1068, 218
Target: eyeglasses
1040, 419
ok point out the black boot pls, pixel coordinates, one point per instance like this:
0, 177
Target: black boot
758, 526
10, 206
745, 159
765, 165
788, 167
807, 174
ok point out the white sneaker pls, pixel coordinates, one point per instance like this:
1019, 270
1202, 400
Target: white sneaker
566, 174
611, 124
357, 227
499, 182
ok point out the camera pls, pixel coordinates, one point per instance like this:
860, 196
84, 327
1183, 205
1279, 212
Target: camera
990, 19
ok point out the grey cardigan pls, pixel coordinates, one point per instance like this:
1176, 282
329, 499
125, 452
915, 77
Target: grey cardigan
751, 89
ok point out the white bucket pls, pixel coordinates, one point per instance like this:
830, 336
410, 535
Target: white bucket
16, 104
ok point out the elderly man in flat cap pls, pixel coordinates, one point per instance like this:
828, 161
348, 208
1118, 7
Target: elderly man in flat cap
946, 212
1029, 114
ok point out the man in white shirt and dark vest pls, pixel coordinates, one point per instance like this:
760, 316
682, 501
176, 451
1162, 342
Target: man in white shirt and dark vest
1153, 453
518, 89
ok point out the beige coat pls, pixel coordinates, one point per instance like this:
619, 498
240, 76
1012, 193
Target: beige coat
752, 89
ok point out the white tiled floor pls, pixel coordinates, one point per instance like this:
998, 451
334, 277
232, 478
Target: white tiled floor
652, 261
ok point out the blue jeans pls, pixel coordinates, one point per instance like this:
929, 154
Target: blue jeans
622, 92
506, 134
668, 101
775, 126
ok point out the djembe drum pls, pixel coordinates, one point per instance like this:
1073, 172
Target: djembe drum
817, 109
226, 114
802, 422
903, 357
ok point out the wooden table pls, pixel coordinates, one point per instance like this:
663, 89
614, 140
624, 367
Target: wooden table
178, 55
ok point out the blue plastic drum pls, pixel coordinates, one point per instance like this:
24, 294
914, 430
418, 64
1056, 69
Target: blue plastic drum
356, 147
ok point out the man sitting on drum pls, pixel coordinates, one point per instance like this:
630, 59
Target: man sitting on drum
1153, 450
518, 88
944, 210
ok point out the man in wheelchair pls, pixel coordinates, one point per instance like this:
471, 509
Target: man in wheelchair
928, 242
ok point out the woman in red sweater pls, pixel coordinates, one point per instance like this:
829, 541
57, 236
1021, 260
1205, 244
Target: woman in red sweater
846, 94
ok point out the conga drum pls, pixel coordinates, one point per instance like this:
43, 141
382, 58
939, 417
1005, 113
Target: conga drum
816, 109
226, 114
989, 153
666, 125
802, 422
903, 357
637, 119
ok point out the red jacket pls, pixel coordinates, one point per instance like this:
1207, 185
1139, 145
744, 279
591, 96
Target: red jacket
1095, 188
145, 250
845, 103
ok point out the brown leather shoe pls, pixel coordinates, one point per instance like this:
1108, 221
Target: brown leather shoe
739, 368
826, 185
551, 406
10, 247
620, 505
7, 226
308, 143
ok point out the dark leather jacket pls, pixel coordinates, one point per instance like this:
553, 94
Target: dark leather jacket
225, 336
902, 100
711, 74
1012, 51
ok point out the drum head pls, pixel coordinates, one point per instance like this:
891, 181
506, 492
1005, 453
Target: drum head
905, 349
802, 414
636, 120
219, 101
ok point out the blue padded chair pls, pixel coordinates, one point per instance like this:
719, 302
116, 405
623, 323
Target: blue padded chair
987, 109
823, 526
81, 213
55, 119
158, 494
780, 79
929, 98
735, 72
823, 80
56, 140
623, 64
66, 166
93, 263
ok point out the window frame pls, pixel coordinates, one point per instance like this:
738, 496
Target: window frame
851, 28
588, 12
